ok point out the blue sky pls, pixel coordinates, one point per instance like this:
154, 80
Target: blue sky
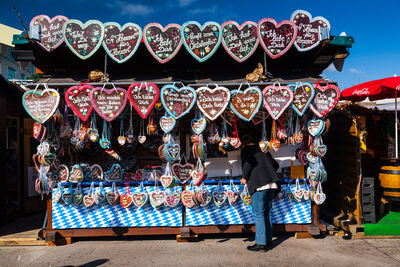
375, 25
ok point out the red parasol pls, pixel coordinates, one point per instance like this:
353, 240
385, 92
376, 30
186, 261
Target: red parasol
375, 90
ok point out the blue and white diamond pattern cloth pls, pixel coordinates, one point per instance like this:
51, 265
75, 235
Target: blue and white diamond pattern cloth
283, 212
67, 217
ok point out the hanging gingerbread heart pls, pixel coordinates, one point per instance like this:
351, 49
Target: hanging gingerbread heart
172, 199
213, 102
167, 180
172, 151
182, 171
326, 98
143, 97
187, 199
197, 177
311, 158
239, 41
245, 104
109, 104
84, 39
112, 198
199, 125
114, 174
219, 197
276, 39
121, 43
88, 200
315, 127
167, 123
125, 200
309, 30
233, 196
76, 174
277, 99
78, 99
163, 43
139, 199
41, 105
51, 31
157, 198
95, 173
320, 150
63, 173
177, 101
201, 41
303, 94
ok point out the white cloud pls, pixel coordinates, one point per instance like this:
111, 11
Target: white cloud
331, 68
183, 3
355, 71
131, 10
211, 10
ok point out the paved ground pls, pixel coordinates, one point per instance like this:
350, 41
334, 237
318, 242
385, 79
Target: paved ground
329, 251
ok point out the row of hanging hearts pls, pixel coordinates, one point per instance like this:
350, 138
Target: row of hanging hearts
90, 173
201, 41
212, 102
302, 191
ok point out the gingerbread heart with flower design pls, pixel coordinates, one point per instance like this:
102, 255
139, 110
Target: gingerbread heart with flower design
109, 104
84, 39
277, 99
51, 30
78, 99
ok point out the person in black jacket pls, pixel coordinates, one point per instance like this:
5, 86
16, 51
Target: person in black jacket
259, 173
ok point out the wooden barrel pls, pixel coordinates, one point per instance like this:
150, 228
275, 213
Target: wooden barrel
389, 175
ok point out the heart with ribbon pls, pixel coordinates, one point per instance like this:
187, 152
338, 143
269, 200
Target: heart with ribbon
277, 99
157, 198
125, 200
187, 199
114, 173
167, 123
319, 196
233, 196
177, 101
121, 43
143, 97
219, 196
63, 173
201, 41
95, 173
245, 104
168, 181
320, 150
212, 102
51, 31
303, 94
315, 127
199, 125
172, 199
41, 105
163, 43
78, 99
88, 200
112, 198
76, 174
171, 151
84, 39
139, 199
109, 104
309, 30
276, 39
182, 171
239, 41
326, 98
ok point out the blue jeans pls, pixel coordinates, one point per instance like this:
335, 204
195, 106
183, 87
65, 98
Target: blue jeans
261, 202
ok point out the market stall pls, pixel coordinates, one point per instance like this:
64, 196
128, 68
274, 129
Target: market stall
151, 144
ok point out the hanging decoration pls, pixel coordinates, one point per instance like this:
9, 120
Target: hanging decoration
167, 123
121, 138
151, 126
274, 143
113, 196
41, 105
157, 197
234, 140
126, 198
239, 41
232, 193
77, 98
315, 127
263, 144
303, 94
326, 98
168, 180
121, 43
163, 43
143, 97
172, 198
178, 101
201, 41
276, 39
199, 123
129, 134
109, 104
88, 200
219, 195
77, 196
51, 31
182, 170
114, 174
197, 174
309, 33
212, 102
187, 197
140, 198
95, 173
277, 99
245, 104
84, 39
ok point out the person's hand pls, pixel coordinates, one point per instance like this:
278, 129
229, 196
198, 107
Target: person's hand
243, 181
